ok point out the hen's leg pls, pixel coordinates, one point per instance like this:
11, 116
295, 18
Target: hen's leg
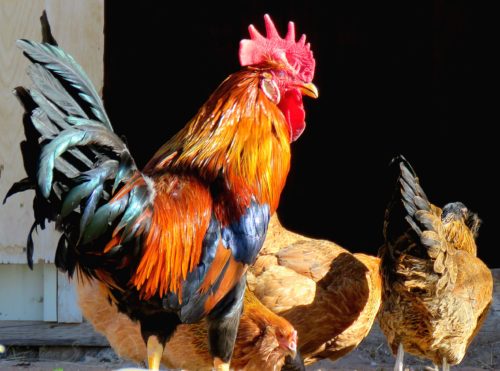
446, 365
223, 322
399, 358
156, 330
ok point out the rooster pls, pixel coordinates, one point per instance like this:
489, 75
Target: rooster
170, 243
436, 292
264, 339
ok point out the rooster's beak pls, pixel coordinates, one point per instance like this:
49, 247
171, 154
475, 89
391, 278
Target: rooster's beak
309, 89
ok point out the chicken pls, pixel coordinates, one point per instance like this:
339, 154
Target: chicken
436, 292
329, 295
170, 243
264, 339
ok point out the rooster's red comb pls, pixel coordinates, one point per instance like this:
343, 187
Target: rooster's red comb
297, 55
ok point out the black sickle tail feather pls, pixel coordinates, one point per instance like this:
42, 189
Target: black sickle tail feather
76, 163
47, 36
402, 228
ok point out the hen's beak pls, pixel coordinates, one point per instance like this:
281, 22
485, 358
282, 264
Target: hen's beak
290, 345
293, 350
309, 89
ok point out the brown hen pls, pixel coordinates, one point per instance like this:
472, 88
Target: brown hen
264, 339
329, 295
436, 291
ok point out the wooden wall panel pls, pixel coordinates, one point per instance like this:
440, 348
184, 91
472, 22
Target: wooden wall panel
78, 27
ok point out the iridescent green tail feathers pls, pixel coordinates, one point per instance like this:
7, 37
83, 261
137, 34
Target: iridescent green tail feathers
74, 160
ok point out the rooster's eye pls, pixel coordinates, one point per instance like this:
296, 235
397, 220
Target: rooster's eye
271, 90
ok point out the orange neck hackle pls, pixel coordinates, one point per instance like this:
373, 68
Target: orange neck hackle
238, 136
234, 151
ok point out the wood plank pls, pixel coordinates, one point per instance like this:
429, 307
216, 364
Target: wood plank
49, 292
37, 333
79, 28
21, 292
68, 310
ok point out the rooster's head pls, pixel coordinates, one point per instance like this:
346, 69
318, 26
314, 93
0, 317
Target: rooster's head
287, 70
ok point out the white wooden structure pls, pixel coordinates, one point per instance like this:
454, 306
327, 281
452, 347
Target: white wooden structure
44, 293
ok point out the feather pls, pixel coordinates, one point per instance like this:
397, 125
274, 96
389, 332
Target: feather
138, 200
52, 111
413, 225
29, 245
91, 180
68, 138
81, 135
90, 207
125, 170
77, 121
76, 195
62, 253
21, 186
103, 218
58, 118
43, 125
53, 90
407, 190
63, 65
421, 203
408, 205
47, 36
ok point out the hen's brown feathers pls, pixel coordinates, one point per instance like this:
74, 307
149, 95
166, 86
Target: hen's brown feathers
329, 295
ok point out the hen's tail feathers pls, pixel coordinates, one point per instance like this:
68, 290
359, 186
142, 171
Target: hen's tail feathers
403, 215
83, 174
414, 231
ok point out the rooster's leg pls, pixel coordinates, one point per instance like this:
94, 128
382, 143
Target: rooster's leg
156, 329
223, 322
155, 351
399, 358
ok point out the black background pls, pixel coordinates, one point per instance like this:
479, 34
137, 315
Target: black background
417, 78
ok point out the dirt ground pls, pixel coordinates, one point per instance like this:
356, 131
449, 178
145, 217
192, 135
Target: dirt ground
372, 354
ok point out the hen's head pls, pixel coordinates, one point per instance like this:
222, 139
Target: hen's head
461, 226
264, 338
287, 70
457, 211
276, 341
287, 340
